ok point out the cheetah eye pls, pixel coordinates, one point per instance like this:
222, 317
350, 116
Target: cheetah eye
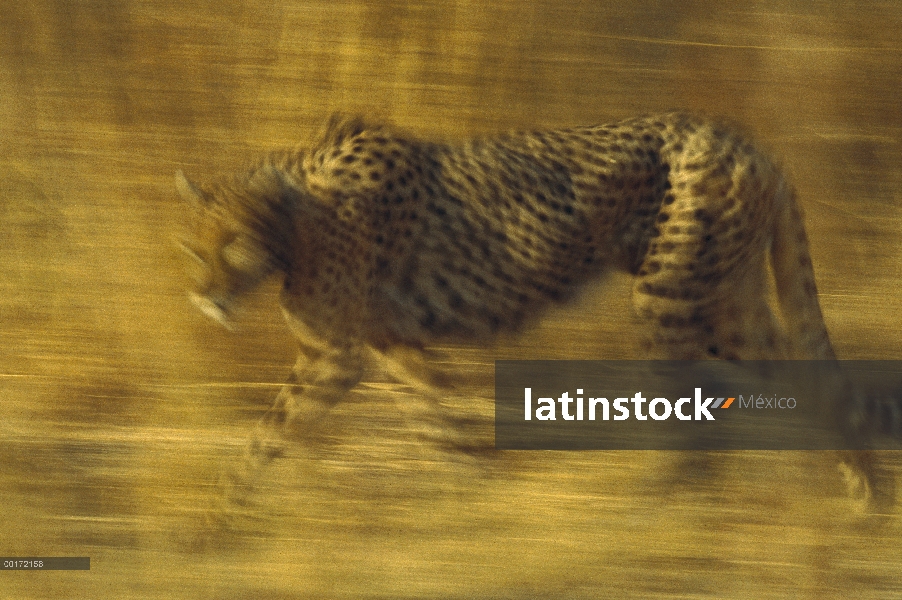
244, 254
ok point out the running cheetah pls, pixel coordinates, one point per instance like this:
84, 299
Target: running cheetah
389, 244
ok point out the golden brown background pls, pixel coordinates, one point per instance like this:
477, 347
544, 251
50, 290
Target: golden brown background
119, 403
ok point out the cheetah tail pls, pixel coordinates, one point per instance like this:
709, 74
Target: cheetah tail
794, 279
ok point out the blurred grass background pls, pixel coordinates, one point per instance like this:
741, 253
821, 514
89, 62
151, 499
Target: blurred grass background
119, 403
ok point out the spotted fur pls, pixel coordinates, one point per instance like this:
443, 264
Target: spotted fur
389, 244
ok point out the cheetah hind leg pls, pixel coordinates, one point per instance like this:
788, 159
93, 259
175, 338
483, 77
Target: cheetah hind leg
691, 319
869, 414
746, 328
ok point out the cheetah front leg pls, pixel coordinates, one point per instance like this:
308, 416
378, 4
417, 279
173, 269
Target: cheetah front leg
423, 409
321, 378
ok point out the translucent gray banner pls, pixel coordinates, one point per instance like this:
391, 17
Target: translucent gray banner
45, 563
703, 405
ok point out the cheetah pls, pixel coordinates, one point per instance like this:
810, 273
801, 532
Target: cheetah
389, 244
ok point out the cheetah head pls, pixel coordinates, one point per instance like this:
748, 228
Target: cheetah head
226, 242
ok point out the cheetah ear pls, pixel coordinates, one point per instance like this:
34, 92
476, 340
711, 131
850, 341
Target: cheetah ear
189, 192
